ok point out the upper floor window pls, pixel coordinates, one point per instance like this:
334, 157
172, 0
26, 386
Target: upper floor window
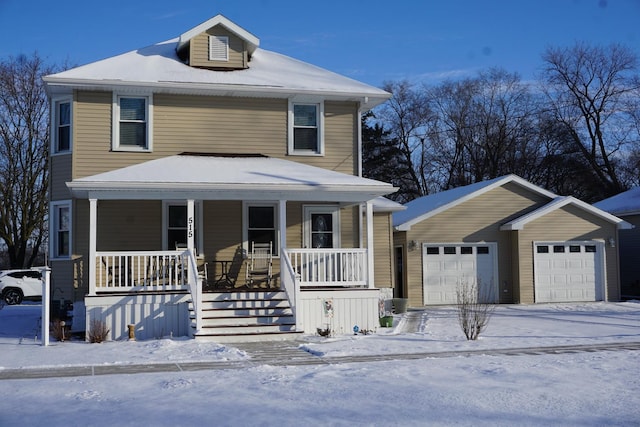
61, 229
62, 126
305, 128
132, 119
218, 48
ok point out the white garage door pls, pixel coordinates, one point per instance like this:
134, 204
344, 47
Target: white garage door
569, 271
445, 266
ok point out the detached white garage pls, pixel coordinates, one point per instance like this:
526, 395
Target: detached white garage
447, 265
569, 271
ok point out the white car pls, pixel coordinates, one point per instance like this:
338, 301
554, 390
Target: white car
15, 285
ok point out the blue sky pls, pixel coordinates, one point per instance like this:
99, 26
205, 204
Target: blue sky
369, 40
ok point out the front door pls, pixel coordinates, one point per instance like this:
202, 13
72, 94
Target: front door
321, 227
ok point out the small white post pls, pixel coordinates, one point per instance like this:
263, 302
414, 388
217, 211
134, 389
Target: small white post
46, 298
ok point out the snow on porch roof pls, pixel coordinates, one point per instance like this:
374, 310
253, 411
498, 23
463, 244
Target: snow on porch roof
227, 177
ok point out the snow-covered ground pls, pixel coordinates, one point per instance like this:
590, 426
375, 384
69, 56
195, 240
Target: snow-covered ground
571, 389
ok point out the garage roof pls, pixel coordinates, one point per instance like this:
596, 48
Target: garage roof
559, 202
427, 206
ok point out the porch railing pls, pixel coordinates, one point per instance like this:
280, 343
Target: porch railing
141, 271
329, 267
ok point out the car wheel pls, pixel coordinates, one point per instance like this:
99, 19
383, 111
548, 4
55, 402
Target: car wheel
13, 296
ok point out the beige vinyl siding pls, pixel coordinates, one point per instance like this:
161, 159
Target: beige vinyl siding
199, 50
60, 173
223, 239
219, 125
628, 244
64, 281
384, 268
476, 220
209, 125
129, 225
349, 227
567, 223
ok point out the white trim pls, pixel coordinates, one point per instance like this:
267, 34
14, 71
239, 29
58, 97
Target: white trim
115, 122
277, 247
319, 104
54, 207
55, 101
308, 210
559, 202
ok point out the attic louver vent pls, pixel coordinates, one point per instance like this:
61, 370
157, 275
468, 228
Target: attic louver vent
218, 48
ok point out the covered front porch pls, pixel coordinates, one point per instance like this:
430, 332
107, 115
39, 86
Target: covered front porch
191, 271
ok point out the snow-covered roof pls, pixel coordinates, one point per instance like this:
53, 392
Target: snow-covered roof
559, 202
623, 204
382, 204
158, 68
211, 177
427, 206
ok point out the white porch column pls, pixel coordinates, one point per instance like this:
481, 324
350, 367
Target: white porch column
282, 227
191, 222
93, 226
282, 224
370, 275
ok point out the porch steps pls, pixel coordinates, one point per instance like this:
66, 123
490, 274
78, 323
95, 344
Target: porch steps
249, 316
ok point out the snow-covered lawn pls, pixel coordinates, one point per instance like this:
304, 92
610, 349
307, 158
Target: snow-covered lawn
575, 389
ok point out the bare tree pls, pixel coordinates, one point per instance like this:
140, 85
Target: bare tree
24, 136
474, 308
406, 114
593, 93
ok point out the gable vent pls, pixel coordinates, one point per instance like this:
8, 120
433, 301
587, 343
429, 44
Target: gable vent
218, 48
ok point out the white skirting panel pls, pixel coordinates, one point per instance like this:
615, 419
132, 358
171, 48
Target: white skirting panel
340, 310
154, 316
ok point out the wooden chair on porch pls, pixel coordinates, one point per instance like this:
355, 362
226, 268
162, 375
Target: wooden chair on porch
260, 264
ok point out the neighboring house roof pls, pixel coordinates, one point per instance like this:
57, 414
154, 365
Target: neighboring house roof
158, 68
252, 41
427, 206
559, 202
623, 204
242, 177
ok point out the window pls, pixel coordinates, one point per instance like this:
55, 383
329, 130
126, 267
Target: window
432, 250
558, 249
574, 248
261, 224
590, 248
131, 127
176, 225
305, 128
466, 250
218, 48
61, 230
449, 250
62, 126
542, 249
482, 250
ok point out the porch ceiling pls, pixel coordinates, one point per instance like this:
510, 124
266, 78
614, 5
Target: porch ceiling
212, 177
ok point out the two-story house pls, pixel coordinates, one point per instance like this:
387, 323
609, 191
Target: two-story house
204, 186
